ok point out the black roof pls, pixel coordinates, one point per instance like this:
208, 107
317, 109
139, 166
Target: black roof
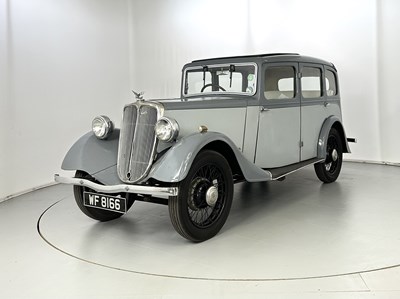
247, 56
270, 57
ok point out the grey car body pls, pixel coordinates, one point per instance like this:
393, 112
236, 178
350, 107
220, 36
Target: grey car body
266, 115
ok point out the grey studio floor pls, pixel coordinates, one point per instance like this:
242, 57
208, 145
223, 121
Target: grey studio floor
292, 239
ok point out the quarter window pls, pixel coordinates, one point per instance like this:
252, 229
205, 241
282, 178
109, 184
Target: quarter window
311, 82
279, 83
330, 81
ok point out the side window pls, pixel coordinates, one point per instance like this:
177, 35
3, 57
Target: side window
330, 80
279, 82
311, 82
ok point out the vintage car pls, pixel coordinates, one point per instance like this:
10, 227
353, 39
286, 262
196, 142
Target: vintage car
249, 118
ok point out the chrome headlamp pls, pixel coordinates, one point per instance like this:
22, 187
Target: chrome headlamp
102, 126
167, 129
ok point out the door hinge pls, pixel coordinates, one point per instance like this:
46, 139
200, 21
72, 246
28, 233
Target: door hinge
301, 144
299, 75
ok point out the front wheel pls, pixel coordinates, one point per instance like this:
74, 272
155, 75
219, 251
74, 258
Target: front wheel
204, 199
328, 170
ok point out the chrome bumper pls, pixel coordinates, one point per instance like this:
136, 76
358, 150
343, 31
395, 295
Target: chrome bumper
138, 189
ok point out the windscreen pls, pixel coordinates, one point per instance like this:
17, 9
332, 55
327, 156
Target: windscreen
220, 79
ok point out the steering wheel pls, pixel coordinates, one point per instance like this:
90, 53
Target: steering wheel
210, 84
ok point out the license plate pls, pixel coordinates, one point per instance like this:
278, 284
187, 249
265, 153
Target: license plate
104, 202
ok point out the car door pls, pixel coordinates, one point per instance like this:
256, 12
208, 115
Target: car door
278, 136
313, 108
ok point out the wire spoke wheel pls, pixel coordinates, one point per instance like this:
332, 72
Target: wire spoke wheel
331, 162
205, 197
201, 212
329, 170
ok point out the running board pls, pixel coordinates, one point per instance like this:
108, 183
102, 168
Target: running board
280, 172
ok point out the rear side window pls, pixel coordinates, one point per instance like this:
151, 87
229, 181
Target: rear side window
311, 82
330, 81
279, 83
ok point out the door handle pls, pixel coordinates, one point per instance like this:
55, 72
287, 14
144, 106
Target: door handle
263, 109
326, 104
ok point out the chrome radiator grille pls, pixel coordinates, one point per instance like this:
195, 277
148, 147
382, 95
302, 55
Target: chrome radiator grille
137, 140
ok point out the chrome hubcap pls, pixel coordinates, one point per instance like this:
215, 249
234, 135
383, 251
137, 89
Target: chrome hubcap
334, 155
212, 196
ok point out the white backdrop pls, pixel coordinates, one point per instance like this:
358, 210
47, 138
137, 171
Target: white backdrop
65, 61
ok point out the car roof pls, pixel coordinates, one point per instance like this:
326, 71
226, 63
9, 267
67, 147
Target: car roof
260, 58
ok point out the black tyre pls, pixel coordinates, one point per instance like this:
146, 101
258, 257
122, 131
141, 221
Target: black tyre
205, 198
329, 170
97, 214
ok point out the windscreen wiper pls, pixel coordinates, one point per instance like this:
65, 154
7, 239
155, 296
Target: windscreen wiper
205, 69
231, 70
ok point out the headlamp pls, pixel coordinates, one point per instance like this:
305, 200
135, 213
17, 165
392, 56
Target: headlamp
102, 126
166, 129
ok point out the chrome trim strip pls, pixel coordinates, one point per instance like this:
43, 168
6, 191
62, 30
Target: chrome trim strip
290, 172
147, 190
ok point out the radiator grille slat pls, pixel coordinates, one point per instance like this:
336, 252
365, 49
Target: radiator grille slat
137, 141
126, 137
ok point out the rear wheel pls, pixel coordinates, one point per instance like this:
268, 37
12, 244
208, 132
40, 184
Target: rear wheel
97, 214
329, 170
204, 199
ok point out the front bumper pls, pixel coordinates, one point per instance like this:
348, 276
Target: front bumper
137, 189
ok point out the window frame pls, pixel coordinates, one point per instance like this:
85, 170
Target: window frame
211, 93
278, 103
322, 82
331, 69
